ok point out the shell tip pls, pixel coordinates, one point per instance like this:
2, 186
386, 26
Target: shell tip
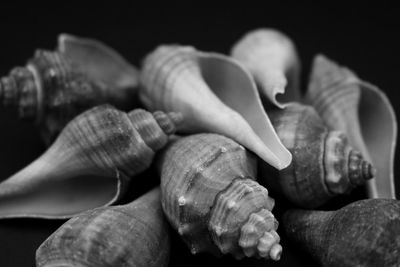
176, 117
360, 170
276, 252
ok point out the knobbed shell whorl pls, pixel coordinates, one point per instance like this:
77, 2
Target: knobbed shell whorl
210, 196
364, 233
324, 164
54, 86
135, 234
89, 165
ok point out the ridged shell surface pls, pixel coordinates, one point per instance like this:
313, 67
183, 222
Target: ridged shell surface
272, 59
324, 164
210, 196
364, 233
362, 112
214, 94
54, 86
89, 164
131, 235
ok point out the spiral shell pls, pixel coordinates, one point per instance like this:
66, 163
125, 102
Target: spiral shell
323, 166
210, 196
89, 165
214, 94
362, 112
135, 234
364, 233
272, 59
54, 87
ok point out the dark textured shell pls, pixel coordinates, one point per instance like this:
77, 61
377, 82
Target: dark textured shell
53, 88
324, 165
103, 147
131, 235
210, 196
364, 233
363, 112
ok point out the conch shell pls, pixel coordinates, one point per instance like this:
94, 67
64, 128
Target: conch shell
210, 196
55, 86
135, 234
214, 94
323, 166
364, 233
89, 164
272, 59
362, 112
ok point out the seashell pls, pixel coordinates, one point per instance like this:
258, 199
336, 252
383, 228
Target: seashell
364, 233
324, 164
211, 198
55, 86
135, 234
272, 59
89, 164
214, 94
362, 112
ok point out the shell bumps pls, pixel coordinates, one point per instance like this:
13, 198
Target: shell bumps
210, 196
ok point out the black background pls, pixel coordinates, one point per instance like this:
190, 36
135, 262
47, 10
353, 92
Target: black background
364, 39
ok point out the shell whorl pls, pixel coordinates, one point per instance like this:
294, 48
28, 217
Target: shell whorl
363, 233
210, 196
135, 234
235, 206
324, 165
110, 138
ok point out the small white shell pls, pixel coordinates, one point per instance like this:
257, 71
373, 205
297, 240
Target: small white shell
271, 58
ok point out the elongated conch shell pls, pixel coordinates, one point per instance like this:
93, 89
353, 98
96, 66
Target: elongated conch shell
89, 164
272, 59
55, 86
210, 196
362, 112
214, 94
135, 234
324, 164
364, 233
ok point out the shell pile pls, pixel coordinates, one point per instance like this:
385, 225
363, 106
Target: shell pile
219, 142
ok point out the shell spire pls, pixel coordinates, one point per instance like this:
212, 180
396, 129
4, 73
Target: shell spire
211, 198
55, 86
324, 164
360, 170
96, 154
214, 94
134, 234
272, 59
363, 233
